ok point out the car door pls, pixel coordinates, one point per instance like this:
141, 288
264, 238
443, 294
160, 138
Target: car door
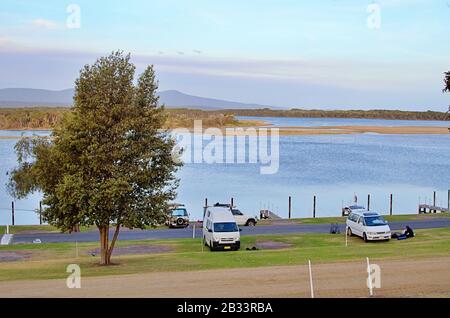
360, 226
240, 218
352, 223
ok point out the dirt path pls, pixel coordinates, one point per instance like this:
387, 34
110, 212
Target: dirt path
399, 278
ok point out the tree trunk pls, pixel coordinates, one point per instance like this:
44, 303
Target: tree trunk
104, 244
113, 242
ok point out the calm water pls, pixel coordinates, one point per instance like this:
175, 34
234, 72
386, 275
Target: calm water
332, 167
289, 122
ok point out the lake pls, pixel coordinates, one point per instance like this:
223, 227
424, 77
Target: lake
332, 167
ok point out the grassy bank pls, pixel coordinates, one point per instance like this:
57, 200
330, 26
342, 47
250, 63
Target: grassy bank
339, 219
48, 261
318, 113
48, 117
45, 228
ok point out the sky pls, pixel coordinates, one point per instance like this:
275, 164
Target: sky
330, 54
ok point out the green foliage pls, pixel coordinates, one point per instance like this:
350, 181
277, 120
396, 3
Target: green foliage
446, 82
109, 161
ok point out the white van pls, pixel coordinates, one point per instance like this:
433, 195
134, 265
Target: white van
220, 231
370, 226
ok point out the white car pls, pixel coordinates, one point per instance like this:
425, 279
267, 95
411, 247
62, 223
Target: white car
220, 231
243, 219
370, 226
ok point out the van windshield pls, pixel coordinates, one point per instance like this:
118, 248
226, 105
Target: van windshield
226, 227
374, 221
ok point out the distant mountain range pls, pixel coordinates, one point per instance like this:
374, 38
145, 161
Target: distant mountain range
30, 97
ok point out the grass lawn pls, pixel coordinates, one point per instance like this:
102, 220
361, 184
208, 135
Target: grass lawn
45, 228
18, 229
50, 260
339, 219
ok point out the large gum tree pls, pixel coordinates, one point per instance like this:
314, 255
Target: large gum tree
109, 163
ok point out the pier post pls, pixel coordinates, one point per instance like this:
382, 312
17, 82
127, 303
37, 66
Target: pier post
314, 207
12, 212
434, 198
368, 202
390, 205
40, 212
290, 206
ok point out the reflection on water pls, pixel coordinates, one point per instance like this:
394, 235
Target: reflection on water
333, 167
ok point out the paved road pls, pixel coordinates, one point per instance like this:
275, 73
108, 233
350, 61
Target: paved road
158, 234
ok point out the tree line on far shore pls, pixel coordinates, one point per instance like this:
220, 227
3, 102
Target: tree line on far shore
48, 117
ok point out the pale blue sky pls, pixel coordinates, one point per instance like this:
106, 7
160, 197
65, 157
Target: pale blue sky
275, 52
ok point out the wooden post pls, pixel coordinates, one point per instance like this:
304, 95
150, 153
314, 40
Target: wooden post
390, 205
434, 198
314, 207
368, 202
40, 212
448, 200
12, 212
290, 206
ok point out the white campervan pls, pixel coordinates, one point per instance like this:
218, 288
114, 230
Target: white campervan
220, 230
370, 226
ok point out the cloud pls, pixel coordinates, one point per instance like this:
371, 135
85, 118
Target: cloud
43, 23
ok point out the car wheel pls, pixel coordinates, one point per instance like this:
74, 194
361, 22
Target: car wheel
180, 222
365, 237
251, 223
211, 248
349, 232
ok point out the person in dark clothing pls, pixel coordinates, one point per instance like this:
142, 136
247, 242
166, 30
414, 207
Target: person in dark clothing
406, 233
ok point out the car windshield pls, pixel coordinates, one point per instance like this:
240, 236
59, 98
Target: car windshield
226, 227
374, 221
179, 212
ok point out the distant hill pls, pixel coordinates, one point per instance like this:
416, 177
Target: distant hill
29, 97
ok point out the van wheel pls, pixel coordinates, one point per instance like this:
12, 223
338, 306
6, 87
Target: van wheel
211, 248
365, 237
349, 232
251, 223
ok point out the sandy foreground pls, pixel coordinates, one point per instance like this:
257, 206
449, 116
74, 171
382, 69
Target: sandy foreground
399, 278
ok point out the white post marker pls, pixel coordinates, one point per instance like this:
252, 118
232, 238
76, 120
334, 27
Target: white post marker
346, 235
7, 228
193, 231
369, 278
310, 279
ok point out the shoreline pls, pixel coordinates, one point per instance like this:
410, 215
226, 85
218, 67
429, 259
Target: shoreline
307, 130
